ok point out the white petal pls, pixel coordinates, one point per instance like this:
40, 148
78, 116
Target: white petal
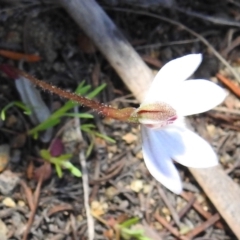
171, 74
188, 148
158, 161
196, 96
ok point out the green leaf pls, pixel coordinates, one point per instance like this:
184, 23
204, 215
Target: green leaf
133, 232
87, 127
129, 222
79, 115
35, 136
64, 157
3, 115
45, 154
58, 170
75, 171
54, 119
109, 139
44, 125
90, 148
19, 104
3, 112
84, 90
96, 91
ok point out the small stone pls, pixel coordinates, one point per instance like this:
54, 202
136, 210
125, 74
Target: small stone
201, 198
111, 192
184, 229
21, 203
8, 202
129, 138
158, 226
139, 155
112, 149
134, 130
124, 204
146, 188
3, 230
136, 185
168, 218
137, 174
79, 218
8, 181
211, 130
165, 211
98, 208
205, 208
152, 201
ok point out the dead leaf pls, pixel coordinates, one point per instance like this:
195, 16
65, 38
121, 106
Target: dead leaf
30, 170
85, 44
44, 171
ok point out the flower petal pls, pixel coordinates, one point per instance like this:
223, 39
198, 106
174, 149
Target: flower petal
172, 73
158, 161
196, 96
188, 148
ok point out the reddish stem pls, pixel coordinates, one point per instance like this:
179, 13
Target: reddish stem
119, 114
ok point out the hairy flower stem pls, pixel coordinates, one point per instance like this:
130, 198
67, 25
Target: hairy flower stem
124, 114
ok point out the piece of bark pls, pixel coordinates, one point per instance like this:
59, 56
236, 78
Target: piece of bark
221, 190
110, 41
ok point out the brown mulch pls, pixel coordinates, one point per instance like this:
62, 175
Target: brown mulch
120, 185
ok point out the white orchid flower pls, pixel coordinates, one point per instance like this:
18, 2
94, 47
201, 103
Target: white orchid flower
164, 135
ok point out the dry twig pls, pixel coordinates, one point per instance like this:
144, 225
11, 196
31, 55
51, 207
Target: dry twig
90, 220
35, 199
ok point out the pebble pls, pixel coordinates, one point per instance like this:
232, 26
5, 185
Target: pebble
3, 230
136, 185
8, 202
8, 181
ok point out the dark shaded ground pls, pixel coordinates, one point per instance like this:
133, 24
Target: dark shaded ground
122, 188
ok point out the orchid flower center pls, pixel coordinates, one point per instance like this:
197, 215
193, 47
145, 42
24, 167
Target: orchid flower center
156, 115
